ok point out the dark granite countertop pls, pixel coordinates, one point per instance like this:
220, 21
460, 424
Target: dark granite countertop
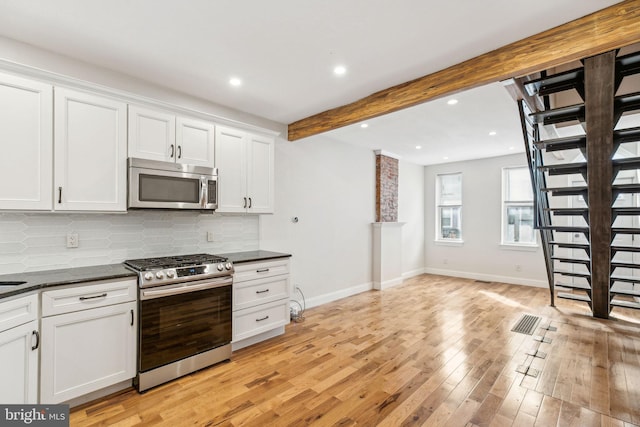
43, 279
252, 256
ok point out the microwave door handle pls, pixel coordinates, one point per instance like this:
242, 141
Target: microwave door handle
203, 193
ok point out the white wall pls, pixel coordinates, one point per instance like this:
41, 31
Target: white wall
481, 256
411, 207
330, 187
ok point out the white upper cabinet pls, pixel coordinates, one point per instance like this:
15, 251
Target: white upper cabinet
26, 129
195, 142
160, 135
152, 134
90, 156
245, 165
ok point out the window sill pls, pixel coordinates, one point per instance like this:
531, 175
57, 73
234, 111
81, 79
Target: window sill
451, 242
519, 247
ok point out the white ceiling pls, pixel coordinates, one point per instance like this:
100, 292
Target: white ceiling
285, 50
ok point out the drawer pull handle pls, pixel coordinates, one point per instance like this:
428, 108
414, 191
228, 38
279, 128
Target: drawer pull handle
93, 297
262, 292
262, 270
264, 318
37, 334
131, 317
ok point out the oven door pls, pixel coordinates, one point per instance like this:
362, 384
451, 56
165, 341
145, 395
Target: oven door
182, 320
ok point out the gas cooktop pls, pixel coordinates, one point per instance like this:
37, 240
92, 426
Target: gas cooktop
147, 264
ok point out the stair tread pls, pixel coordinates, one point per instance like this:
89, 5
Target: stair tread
626, 210
573, 274
576, 297
625, 230
556, 83
559, 115
565, 228
628, 292
572, 260
625, 279
571, 245
624, 264
580, 286
629, 64
627, 135
566, 143
627, 188
628, 163
567, 211
622, 248
625, 304
628, 102
568, 191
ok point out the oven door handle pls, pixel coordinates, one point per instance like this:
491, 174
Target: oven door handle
184, 288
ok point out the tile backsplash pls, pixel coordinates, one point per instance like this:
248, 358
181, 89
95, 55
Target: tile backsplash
37, 241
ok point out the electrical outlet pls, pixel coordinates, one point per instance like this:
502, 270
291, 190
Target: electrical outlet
209, 236
72, 240
518, 268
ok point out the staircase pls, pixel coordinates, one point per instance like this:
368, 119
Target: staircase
582, 184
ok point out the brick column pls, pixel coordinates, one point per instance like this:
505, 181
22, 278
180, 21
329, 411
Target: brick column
386, 187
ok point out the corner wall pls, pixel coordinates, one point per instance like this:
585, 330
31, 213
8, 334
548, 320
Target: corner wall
481, 256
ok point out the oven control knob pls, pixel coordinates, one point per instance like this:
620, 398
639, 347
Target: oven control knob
159, 274
148, 276
171, 274
228, 266
220, 267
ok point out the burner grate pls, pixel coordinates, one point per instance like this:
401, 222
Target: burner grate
145, 264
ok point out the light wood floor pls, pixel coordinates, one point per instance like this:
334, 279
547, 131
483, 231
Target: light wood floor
432, 351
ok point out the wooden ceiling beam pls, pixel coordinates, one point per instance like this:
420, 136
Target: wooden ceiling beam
611, 28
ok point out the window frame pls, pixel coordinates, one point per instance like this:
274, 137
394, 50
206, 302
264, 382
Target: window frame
453, 206
506, 204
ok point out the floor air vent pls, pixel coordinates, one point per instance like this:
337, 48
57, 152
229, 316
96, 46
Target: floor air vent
526, 324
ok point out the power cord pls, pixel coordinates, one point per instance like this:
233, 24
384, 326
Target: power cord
297, 313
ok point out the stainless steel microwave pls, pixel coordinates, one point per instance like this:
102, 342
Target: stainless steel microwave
166, 185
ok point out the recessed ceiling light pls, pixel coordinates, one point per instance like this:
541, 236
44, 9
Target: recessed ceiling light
512, 148
234, 81
340, 70
364, 125
452, 101
445, 158
492, 133
418, 147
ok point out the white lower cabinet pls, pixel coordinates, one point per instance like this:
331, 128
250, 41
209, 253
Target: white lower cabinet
261, 292
92, 344
19, 341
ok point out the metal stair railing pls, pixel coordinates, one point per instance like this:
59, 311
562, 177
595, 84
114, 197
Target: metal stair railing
542, 215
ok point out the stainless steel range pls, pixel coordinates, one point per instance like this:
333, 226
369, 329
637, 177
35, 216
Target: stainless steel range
184, 315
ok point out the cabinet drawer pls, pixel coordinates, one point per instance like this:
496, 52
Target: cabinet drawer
18, 311
89, 295
260, 291
255, 320
259, 270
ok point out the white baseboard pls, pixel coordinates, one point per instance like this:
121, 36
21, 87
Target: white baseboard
237, 345
413, 273
381, 286
488, 277
343, 293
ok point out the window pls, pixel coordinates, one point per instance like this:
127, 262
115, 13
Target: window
517, 212
449, 207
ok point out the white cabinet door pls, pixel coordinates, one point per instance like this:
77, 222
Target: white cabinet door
152, 134
26, 141
19, 364
87, 350
231, 163
195, 142
90, 155
260, 174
